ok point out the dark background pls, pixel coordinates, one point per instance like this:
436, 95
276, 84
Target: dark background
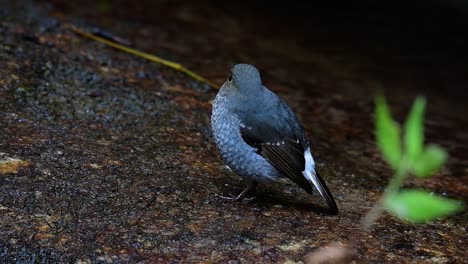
408, 47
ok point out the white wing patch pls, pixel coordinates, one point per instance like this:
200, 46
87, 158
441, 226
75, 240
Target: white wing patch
274, 144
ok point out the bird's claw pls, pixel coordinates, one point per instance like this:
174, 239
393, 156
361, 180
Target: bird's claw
241, 195
235, 198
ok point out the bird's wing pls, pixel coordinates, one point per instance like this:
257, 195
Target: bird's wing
281, 140
283, 151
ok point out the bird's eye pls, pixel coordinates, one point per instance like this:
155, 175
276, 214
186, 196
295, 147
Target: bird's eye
230, 77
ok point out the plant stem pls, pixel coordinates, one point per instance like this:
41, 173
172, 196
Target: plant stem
394, 185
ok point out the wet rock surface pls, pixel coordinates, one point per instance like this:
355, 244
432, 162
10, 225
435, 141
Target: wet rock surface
106, 157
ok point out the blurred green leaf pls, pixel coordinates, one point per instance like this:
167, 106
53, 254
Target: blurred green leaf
430, 161
414, 130
419, 206
387, 133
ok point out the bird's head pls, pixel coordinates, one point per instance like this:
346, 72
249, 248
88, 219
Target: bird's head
244, 78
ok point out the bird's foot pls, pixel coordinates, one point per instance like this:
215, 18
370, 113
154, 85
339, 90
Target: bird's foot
241, 196
234, 198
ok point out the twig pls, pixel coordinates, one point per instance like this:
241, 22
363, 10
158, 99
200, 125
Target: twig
147, 56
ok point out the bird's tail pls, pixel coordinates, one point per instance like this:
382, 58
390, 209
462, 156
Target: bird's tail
322, 187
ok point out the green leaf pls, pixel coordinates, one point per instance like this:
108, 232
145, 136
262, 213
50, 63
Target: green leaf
387, 133
414, 130
430, 161
419, 206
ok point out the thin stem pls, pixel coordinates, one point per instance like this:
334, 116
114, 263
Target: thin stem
394, 185
147, 56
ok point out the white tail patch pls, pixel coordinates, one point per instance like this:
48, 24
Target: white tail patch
309, 170
309, 161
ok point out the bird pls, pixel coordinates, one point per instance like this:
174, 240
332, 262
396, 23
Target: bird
260, 137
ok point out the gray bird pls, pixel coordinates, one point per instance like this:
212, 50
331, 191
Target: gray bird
260, 138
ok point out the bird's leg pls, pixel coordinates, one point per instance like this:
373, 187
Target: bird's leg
241, 196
